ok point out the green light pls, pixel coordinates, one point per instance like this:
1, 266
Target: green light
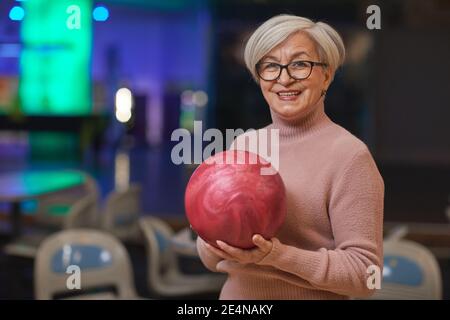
55, 60
51, 181
54, 145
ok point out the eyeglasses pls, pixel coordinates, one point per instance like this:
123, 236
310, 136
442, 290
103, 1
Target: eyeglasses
297, 70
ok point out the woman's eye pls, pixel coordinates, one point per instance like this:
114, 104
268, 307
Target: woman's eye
271, 66
299, 64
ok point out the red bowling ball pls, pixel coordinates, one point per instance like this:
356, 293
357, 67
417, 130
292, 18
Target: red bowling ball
231, 200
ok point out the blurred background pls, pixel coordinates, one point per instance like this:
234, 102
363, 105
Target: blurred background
91, 91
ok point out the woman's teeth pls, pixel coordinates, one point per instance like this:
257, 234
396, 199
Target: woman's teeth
288, 94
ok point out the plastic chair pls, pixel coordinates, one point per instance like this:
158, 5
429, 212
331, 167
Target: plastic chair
410, 272
81, 214
164, 276
121, 213
103, 261
55, 210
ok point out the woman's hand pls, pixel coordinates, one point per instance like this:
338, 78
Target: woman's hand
244, 256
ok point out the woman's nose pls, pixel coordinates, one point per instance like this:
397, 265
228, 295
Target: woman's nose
284, 77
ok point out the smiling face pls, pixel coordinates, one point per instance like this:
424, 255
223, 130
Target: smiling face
290, 99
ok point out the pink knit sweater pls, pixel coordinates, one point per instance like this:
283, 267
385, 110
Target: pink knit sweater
333, 229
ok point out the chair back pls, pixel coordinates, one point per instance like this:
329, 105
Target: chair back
121, 213
102, 262
410, 272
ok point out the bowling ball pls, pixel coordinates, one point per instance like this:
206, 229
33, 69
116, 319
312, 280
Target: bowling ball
231, 200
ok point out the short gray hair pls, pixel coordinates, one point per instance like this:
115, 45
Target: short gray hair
329, 44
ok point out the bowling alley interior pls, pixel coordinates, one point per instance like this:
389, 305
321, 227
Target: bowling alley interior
92, 94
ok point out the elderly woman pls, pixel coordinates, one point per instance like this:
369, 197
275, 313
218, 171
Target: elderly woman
332, 237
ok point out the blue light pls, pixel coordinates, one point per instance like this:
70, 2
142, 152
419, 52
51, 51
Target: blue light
100, 13
9, 50
16, 13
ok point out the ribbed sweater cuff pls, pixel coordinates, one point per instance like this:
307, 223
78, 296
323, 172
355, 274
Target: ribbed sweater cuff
305, 263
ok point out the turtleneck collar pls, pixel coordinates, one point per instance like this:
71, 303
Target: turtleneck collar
312, 122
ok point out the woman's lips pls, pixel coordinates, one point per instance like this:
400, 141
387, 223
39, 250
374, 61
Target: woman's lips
288, 95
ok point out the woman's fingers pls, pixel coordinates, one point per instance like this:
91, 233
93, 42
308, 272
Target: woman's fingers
263, 244
263, 247
218, 252
237, 253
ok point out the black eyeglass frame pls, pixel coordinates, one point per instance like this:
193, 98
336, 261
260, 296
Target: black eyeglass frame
286, 66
